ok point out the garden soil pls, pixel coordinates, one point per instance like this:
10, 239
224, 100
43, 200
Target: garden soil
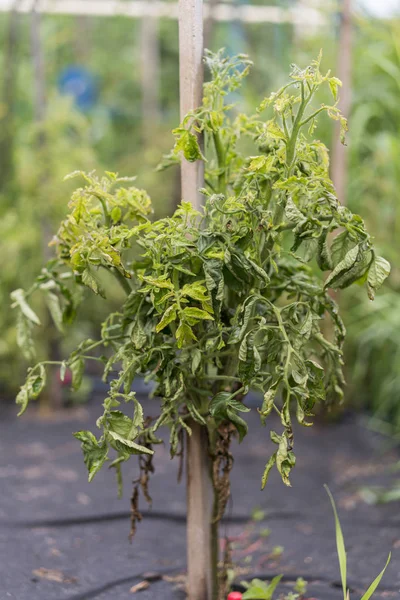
62, 538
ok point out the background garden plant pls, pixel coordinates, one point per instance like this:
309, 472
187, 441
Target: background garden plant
219, 301
341, 551
265, 590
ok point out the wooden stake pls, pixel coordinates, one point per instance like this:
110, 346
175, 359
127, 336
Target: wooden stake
191, 85
199, 556
199, 501
339, 152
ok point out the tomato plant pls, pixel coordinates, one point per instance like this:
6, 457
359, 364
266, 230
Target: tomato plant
218, 301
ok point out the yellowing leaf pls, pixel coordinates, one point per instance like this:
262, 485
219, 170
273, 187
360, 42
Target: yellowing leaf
196, 313
184, 335
167, 318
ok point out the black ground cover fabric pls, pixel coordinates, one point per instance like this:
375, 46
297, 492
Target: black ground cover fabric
55, 525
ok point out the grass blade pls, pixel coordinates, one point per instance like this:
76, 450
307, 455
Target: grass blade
341, 550
376, 581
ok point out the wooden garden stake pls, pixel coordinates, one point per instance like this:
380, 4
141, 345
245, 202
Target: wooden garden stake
191, 86
199, 580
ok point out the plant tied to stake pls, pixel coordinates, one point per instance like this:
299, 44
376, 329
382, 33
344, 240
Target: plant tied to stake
221, 301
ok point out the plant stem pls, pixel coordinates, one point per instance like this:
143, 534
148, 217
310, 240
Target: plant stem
221, 160
221, 377
107, 217
291, 145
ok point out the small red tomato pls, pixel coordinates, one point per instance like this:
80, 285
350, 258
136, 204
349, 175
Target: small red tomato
234, 596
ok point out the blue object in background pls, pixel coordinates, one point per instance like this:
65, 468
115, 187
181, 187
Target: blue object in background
78, 82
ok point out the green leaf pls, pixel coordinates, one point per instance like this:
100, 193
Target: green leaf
159, 282
195, 290
343, 266
334, 83
260, 272
123, 429
341, 244
196, 360
237, 405
324, 258
268, 403
22, 399
243, 350
219, 403
257, 163
94, 451
24, 337
77, 368
138, 416
53, 303
168, 317
261, 590
187, 144
213, 271
341, 550
292, 213
377, 273
90, 280
238, 422
271, 462
285, 459
120, 423
33, 386
196, 313
223, 407
194, 413
184, 335
18, 296
116, 214
129, 445
376, 581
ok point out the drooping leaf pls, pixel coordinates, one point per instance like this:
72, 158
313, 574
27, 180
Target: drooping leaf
378, 271
91, 281
268, 403
271, 462
77, 368
343, 266
94, 451
184, 335
168, 317
19, 299
54, 307
238, 422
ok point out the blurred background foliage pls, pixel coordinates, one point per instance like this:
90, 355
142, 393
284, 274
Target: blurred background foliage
120, 120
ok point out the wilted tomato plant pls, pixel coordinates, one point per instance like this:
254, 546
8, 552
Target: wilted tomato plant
220, 301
